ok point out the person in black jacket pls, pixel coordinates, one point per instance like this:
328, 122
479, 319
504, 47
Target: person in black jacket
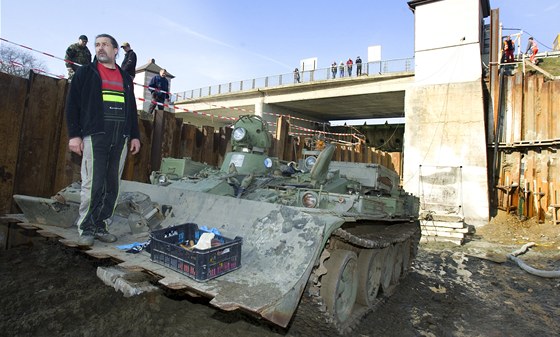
129, 62
102, 120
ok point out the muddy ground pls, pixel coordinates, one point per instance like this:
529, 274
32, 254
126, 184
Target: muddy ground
47, 289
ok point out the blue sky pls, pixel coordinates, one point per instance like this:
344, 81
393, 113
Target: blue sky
218, 41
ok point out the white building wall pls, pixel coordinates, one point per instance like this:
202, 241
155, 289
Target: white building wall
444, 110
447, 41
140, 91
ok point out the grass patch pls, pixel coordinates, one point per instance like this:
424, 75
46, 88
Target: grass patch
551, 65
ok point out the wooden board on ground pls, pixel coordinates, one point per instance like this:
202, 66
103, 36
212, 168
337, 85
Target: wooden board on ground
429, 239
137, 262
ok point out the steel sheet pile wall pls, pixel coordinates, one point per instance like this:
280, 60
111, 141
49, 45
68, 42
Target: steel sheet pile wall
528, 172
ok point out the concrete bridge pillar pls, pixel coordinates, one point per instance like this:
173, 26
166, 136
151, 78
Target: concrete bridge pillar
259, 106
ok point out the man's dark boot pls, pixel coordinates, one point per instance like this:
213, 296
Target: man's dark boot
104, 236
85, 240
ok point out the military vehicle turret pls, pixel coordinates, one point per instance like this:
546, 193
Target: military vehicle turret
341, 234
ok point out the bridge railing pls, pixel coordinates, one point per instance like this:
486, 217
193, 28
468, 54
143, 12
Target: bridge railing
321, 74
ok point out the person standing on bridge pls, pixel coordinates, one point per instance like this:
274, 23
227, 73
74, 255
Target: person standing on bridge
296, 76
349, 64
341, 69
358, 66
334, 66
101, 118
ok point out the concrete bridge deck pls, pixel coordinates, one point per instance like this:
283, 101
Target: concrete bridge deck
367, 96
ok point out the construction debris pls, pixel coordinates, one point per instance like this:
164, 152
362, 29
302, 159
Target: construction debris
130, 283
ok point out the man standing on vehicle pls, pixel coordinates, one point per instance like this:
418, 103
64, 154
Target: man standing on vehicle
101, 118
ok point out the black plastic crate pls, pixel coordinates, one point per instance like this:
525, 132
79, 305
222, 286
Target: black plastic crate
201, 265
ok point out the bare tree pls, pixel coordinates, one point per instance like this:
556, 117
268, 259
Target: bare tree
19, 62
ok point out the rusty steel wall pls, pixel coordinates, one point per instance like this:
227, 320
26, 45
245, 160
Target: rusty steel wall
529, 176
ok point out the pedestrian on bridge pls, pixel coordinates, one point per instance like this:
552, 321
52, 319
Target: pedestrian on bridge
296, 76
341, 69
334, 66
349, 64
358, 66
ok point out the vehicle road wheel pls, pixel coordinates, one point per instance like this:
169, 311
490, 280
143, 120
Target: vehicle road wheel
398, 263
370, 267
407, 258
388, 266
339, 286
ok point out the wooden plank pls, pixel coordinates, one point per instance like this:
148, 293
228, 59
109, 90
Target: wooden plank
188, 141
431, 239
97, 254
168, 134
554, 108
46, 234
208, 145
157, 139
14, 91
40, 139
68, 243
131, 266
10, 218
282, 129
138, 167
173, 283
26, 225
442, 234
224, 143
445, 229
4, 235
177, 130
67, 164
541, 127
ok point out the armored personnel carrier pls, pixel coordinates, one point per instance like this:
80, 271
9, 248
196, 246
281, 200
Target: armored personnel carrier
341, 235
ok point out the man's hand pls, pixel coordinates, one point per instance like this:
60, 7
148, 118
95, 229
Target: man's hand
76, 145
135, 146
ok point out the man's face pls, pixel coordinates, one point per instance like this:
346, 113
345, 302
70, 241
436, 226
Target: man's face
105, 51
162, 73
83, 42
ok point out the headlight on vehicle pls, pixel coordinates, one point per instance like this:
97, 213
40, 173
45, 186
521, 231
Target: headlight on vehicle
162, 179
268, 162
309, 162
310, 199
239, 134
